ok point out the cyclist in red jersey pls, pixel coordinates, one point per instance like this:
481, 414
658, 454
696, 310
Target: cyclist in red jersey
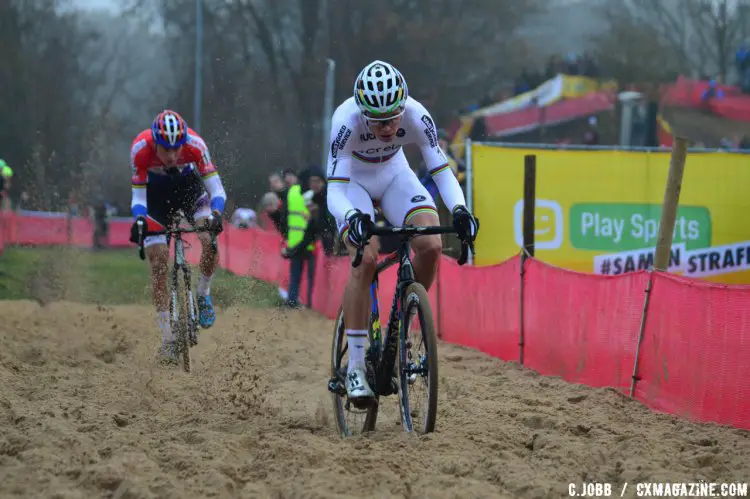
172, 171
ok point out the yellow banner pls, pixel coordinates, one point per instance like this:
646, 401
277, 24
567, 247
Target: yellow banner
458, 143
579, 86
599, 211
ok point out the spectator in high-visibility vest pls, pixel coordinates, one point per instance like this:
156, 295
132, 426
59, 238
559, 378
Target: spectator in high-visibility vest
298, 216
6, 173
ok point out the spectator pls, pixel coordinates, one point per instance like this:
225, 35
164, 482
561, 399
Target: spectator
296, 248
101, 224
6, 174
571, 64
322, 224
269, 206
591, 135
742, 61
290, 178
244, 218
278, 215
523, 83
276, 183
712, 92
588, 66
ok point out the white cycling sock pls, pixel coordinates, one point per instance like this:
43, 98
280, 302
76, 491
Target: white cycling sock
166, 329
204, 285
358, 342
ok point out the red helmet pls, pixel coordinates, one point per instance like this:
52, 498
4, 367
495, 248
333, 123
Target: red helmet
169, 129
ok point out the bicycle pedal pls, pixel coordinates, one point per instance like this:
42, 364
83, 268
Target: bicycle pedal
336, 386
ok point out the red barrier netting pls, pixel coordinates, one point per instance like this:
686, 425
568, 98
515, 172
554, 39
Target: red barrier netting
4, 222
694, 359
479, 307
582, 327
52, 229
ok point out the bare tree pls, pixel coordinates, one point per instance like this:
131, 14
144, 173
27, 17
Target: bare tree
632, 51
82, 85
697, 36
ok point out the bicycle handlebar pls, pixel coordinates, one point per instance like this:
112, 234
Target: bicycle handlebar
142, 234
408, 231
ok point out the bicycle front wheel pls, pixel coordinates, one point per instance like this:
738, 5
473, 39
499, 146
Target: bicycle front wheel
418, 364
349, 419
180, 305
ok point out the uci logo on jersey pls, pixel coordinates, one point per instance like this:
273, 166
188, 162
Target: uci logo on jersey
364, 137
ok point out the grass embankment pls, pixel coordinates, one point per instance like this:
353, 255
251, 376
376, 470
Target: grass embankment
109, 277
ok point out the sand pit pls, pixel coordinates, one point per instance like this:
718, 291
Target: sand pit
86, 412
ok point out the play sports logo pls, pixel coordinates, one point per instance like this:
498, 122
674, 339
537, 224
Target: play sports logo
548, 224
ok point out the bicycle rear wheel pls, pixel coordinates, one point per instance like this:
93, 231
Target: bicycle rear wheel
418, 370
349, 420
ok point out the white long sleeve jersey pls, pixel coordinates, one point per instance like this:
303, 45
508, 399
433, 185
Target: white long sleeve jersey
353, 148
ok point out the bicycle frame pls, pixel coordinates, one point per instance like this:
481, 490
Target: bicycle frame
382, 352
384, 356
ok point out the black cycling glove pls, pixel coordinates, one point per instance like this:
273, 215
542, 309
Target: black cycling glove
134, 229
359, 226
466, 225
216, 223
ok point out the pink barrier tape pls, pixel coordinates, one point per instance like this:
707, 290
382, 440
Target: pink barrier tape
582, 327
480, 307
695, 351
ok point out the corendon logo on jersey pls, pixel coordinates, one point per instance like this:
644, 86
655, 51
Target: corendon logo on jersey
430, 130
340, 141
376, 150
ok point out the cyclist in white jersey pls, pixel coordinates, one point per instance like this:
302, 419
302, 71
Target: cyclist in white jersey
365, 163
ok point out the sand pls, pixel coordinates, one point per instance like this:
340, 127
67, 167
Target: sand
86, 412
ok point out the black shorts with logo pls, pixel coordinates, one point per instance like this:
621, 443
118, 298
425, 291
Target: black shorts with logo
166, 195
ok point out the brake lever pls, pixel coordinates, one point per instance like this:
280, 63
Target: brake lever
464, 253
358, 258
141, 251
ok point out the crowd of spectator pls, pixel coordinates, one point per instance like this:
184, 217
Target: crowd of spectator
742, 63
571, 64
296, 207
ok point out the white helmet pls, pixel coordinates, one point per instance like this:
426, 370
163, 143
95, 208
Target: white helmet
379, 89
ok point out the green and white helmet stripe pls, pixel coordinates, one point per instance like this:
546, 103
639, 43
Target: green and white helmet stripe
380, 89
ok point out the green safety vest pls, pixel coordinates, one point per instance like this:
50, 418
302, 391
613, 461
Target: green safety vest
298, 217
